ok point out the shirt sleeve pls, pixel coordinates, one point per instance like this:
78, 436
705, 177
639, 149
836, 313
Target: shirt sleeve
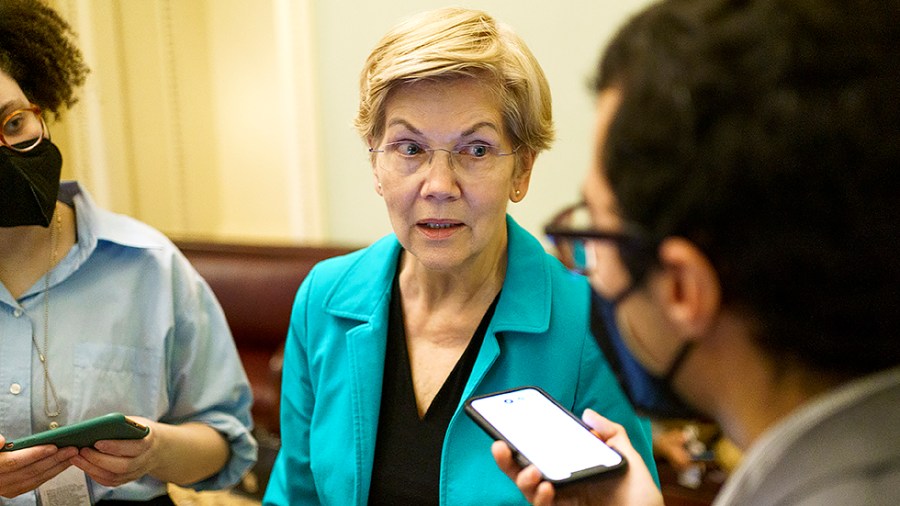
207, 380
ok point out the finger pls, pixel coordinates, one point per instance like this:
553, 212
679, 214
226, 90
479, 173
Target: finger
110, 463
29, 473
529, 480
121, 448
544, 495
98, 473
602, 426
505, 461
14, 460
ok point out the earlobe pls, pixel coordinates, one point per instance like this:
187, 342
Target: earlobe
522, 178
691, 288
378, 189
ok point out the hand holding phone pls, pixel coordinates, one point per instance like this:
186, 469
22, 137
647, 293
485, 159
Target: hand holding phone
542, 432
83, 434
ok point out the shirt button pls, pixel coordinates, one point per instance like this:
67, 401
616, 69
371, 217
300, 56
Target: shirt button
15, 389
17, 313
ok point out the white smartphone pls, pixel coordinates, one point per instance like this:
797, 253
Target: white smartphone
540, 431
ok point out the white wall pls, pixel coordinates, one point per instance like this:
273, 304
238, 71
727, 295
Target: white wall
566, 36
232, 120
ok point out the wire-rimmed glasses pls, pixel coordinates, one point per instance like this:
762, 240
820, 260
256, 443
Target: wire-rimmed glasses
23, 129
471, 161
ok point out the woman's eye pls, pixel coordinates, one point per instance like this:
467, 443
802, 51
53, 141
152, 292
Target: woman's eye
476, 150
408, 148
13, 125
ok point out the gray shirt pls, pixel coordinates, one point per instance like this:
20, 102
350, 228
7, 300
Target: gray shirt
842, 448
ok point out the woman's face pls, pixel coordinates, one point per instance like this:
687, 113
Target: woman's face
443, 215
12, 97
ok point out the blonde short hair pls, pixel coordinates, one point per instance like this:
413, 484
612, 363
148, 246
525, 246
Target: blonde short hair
454, 43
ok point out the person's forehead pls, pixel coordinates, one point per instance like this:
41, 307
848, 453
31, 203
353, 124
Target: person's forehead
461, 106
11, 96
595, 188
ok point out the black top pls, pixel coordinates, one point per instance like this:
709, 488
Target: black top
407, 465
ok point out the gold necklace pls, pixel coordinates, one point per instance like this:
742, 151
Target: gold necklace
49, 389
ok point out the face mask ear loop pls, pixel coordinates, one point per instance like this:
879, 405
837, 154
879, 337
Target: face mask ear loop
679, 360
635, 284
624, 295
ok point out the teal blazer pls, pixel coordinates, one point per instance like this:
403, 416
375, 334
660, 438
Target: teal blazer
334, 363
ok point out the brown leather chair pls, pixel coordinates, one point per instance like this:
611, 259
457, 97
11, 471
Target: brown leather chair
256, 285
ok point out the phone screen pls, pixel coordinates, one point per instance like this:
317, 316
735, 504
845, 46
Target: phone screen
544, 433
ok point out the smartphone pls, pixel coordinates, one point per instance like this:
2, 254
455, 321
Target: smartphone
83, 434
540, 431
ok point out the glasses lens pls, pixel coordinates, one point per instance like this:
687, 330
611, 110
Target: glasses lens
470, 161
22, 130
403, 158
579, 255
573, 253
579, 218
476, 160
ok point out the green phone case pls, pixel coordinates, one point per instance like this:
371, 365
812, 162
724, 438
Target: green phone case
83, 434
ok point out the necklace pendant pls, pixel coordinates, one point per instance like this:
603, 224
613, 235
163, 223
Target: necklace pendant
54, 425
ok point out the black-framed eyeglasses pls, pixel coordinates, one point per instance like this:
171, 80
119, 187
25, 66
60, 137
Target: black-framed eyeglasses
572, 228
23, 129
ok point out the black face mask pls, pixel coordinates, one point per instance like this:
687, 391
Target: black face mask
650, 395
29, 183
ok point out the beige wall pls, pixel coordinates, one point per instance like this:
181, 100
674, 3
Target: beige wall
232, 119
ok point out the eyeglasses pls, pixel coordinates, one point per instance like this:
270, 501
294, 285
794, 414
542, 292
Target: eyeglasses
572, 228
471, 161
23, 130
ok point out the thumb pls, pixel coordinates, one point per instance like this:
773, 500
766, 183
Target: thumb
601, 425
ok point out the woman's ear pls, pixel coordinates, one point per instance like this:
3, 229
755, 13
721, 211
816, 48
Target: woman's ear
378, 189
522, 176
692, 294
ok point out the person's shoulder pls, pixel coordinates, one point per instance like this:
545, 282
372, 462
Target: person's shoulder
363, 263
106, 226
130, 231
368, 254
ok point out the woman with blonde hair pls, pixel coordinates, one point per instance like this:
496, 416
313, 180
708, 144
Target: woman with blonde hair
386, 343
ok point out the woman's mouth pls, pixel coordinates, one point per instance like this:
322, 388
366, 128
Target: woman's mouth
438, 229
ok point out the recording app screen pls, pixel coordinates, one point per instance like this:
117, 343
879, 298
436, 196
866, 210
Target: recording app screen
547, 436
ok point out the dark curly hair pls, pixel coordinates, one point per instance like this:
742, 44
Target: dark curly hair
38, 51
768, 133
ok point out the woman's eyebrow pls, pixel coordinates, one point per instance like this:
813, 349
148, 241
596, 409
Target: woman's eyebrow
469, 131
478, 126
405, 124
9, 107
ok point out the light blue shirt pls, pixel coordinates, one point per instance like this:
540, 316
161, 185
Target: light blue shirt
132, 328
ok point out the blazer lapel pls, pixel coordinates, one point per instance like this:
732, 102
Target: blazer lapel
362, 296
524, 305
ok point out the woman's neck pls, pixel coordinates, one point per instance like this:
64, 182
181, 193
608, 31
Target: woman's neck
479, 282
28, 253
